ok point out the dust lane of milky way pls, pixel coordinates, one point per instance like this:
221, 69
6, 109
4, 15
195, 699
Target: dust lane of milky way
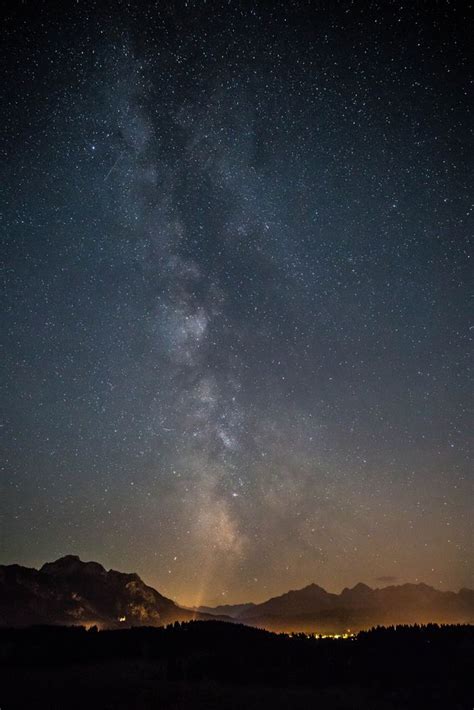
236, 323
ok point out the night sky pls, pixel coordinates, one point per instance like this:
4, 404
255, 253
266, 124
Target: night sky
235, 325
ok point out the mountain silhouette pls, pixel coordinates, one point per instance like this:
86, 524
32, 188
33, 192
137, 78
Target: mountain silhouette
70, 591
313, 609
310, 599
231, 610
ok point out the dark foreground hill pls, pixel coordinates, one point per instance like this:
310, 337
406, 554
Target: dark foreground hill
215, 665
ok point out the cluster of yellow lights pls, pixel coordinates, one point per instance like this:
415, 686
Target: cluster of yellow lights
346, 635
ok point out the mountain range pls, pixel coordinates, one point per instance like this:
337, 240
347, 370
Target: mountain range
313, 609
69, 591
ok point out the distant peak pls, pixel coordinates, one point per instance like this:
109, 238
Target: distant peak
66, 559
361, 587
312, 588
71, 563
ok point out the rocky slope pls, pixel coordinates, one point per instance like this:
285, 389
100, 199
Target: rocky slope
70, 591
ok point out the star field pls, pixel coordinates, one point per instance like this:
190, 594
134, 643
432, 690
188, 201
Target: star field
236, 324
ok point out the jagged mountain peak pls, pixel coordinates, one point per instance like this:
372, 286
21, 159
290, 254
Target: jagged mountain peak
309, 590
315, 588
359, 589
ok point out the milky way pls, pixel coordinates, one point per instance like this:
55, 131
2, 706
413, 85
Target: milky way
237, 333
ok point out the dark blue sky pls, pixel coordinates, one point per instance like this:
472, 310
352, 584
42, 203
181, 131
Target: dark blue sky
236, 311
